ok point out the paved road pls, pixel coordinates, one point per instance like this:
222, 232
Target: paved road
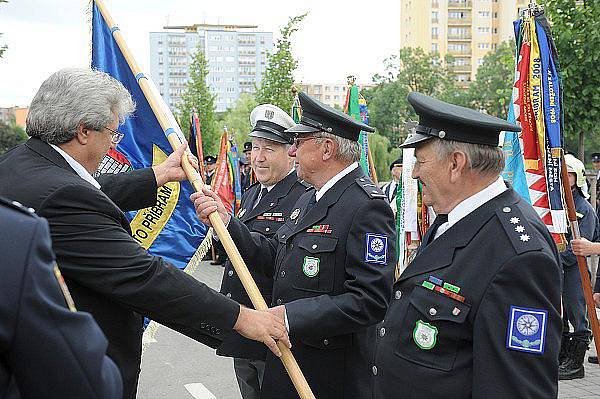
175, 362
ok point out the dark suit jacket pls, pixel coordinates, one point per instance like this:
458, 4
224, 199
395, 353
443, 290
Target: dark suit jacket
110, 275
266, 218
502, 257
45, 349
331, 280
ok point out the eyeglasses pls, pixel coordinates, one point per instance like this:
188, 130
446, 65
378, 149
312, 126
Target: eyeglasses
116, 137
299, 140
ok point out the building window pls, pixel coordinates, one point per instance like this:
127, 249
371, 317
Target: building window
434, 32
484, 14
434, 47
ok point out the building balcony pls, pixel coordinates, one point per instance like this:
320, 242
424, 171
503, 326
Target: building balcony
460, 53
460, 21
459, 37
460, 68
459, 4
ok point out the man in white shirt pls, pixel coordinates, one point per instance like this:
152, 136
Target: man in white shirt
332, 261
477, 312
264, 208
390, 189
73, 121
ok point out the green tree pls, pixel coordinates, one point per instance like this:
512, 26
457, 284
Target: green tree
197, 96
275, 87
492, 89
382, 155
2, 47
576, 33
11, 135
238, 117
411, 70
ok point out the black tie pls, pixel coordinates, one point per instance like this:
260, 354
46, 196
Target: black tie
439, 220
261, 195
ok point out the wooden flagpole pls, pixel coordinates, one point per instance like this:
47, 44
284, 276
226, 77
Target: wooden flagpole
239, 265
583, 270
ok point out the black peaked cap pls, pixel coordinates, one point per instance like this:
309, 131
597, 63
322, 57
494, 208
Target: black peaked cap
452, 122
318, 117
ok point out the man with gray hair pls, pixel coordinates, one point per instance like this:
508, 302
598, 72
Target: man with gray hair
477, 313
264, 208
73, 121
332, 261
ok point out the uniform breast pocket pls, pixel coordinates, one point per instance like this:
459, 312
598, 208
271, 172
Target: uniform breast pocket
432, 329
316, 255
265, 227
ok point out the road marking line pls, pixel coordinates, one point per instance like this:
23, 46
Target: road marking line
199, 391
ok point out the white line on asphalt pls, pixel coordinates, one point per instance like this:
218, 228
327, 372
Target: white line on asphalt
199, 391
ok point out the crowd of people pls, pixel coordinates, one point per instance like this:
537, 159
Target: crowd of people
488, 307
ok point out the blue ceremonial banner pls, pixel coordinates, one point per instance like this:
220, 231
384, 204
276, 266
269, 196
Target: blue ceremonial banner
237, 179
514, 167
169, 229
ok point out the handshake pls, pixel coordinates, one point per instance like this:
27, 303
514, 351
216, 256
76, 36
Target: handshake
266, 326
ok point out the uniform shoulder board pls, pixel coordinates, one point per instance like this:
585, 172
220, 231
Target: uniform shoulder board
370, 188
521, 233
305, 184
17, 206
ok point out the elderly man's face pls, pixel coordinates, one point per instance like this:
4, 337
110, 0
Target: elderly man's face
434, 176
596, 165
270, 161
100, 142
309, 157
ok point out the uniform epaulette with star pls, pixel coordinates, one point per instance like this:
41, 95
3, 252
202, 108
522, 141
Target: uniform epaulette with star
17, 206
370, 188
518, 229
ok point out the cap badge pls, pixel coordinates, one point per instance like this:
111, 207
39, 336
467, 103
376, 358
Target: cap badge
269, 114
442, 134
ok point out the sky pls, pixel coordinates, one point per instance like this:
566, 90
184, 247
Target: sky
336, 39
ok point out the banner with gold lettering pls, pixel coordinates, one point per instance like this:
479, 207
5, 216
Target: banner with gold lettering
536, 107
170, 228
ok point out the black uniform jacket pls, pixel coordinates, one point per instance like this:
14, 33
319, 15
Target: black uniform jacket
46, 350
266, 218
333, 284
496, 341
109, 274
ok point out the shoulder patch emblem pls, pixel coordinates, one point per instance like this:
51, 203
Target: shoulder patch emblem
376, 248
527, 330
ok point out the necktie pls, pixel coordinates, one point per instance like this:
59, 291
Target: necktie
261, 195
439, 220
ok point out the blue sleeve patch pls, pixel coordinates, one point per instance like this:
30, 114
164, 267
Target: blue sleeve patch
376, 248
527, 330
